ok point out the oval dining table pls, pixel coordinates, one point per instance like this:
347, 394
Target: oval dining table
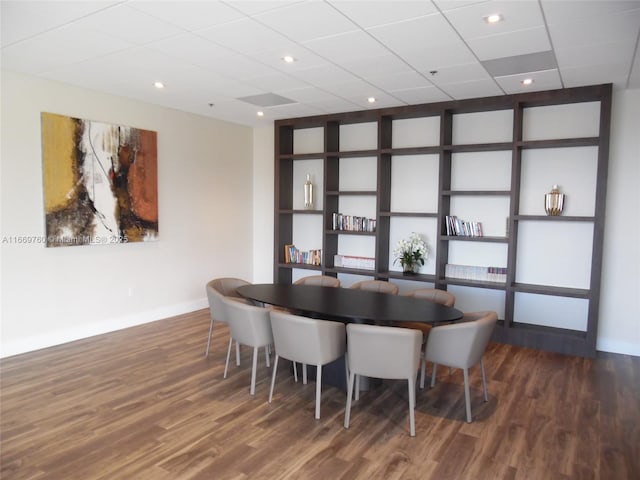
348, 305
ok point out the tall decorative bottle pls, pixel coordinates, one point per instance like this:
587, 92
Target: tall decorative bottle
308, 193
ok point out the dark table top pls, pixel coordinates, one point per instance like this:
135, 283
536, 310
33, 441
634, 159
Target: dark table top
350, 305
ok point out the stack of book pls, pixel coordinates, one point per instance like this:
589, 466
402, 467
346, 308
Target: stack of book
462, 228
310, 257
361, 263
352, 223
470, 272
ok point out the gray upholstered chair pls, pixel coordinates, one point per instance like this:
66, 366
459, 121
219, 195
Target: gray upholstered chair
376, 286
442, 297
251, 326
320, 280
383, 352
217, 289
462, 345
306, 340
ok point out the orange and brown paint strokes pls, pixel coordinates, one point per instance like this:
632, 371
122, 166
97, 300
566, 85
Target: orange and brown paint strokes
100, 182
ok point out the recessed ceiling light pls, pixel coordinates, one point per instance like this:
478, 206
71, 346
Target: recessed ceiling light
527, 81
288, 59
158, 85
493, 18
260, 113
371, 99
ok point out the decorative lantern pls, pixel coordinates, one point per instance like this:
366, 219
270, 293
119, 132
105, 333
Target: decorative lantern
554, 202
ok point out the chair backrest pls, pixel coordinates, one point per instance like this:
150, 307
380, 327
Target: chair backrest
377, 286
307, 340
434, 295
219, 288
249, 325
383, 352
320, 280
462, 344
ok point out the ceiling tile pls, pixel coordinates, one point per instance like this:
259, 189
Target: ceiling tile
599, 54
59, 47
245, 36
347, 47
486, 88
518, 15
383, 12
188, 14
304, 58
544, 80
511, 44
363, 67
253, 7
129, 24
569, 11
335, 105
424, 32
453, 74
398, 81
307, 21
42, 15
276, 81
382, 101
191, 48
436, 58
306, 94
595, 75
324, 75
421, 95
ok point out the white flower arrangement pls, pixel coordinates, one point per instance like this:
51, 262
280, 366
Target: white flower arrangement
411, 252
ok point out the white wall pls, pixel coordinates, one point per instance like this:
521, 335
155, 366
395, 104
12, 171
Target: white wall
263, 204
619, 327
205, 185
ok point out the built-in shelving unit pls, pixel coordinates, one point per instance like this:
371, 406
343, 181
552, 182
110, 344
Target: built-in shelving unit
491, 159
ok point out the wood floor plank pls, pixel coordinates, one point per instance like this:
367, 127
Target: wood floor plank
145, 403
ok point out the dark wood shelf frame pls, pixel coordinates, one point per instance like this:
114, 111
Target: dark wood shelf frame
548, 338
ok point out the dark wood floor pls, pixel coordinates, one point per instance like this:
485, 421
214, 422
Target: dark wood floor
144, 403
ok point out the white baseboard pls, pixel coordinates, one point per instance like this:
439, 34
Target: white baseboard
51, 339
615, 346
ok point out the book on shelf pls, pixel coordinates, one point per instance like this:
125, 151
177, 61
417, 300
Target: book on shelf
456, 227
309, 257
349, 261
353, 223
471, 272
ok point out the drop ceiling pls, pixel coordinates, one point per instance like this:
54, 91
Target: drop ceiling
214, 55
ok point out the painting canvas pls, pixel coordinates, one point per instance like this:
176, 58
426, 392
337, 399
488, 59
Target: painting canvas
100, 182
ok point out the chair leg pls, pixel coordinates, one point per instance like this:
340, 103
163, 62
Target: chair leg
467, 399
206, 353
433, 375
267, 351
346, 367
252, 391
357, 387
304, 373
484, 381
273, 377
347, 410
318, 390
423, 370
226, 365
237, 354
295, 372
412, 406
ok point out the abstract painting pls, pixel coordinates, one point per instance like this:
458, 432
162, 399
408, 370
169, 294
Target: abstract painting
100, 182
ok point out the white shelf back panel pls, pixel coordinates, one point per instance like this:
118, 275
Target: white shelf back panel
359, 136
414, 183
358, 173
478, 254
300, 170
574, 170
491, 211
307, 232
554, 253
415, 132
401, 228
359, 206
483, 127
298, 273
551, 311
561, 121
308, 140
481, 171
357, 246
478, 299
